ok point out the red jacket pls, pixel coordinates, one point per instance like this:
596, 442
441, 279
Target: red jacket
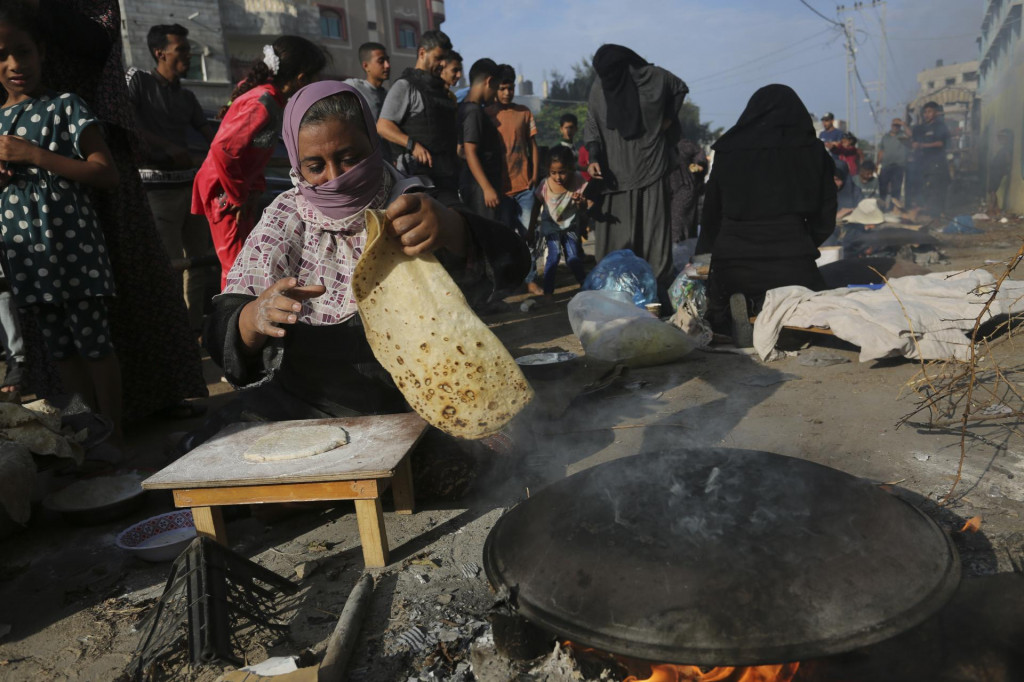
239, 152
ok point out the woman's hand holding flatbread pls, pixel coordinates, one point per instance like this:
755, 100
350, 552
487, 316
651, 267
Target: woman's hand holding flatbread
278, 305
423, 225
449, 366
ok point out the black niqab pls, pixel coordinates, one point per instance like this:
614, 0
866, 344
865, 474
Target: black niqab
771, 163
612, 63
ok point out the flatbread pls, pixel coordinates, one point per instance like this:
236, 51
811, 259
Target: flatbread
296, 442
41, 441
449, 366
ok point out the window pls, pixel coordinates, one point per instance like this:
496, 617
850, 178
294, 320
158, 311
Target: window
332, 23
197, 68
951, 81
931, 85
406, 35
970, 76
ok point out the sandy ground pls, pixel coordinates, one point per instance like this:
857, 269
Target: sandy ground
74, 601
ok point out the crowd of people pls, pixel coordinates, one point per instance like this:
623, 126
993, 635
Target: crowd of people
116, 239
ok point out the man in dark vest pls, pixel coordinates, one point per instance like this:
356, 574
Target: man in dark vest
419, 119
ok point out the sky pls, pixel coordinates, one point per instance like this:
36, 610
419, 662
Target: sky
726, 49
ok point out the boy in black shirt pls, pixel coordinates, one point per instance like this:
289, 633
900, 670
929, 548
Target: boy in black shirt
482, 181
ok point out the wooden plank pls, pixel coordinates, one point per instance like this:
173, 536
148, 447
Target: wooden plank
210, 522
376, 446
370, 517
813, 330
401, 487
285, 492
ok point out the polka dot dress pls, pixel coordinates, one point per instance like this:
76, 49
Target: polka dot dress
53, 243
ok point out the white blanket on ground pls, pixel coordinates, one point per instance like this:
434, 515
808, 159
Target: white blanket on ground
922, 316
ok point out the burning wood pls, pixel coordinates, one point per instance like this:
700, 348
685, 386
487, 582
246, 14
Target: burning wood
665, 672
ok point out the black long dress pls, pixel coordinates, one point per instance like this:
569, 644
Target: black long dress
770, 202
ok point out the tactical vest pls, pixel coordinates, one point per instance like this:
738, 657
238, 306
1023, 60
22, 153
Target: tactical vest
436, 128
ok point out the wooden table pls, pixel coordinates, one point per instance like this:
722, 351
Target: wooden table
377, 455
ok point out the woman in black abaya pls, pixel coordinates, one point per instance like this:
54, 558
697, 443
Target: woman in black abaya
770, 202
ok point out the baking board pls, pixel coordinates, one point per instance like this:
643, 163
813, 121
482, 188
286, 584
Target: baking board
376, 446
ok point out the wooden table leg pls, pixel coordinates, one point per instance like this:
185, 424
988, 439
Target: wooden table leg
370, 517
401, 487
210, 522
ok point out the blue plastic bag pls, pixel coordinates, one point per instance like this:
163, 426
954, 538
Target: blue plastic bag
624, 271
962, 224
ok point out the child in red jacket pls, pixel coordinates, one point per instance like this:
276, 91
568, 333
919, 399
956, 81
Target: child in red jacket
228, 185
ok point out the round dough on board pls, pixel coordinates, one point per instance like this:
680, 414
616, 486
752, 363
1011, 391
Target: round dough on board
296, 442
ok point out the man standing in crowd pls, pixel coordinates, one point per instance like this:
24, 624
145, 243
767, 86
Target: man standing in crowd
419, 120
451, 74
892, 159
930, 170
377, 65
164, 111
518, 132
830, 135
634, 116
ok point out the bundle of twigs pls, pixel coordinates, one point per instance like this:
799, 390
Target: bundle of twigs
961, 394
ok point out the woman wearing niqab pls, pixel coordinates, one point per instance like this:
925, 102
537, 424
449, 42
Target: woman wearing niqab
769, 204
633, 117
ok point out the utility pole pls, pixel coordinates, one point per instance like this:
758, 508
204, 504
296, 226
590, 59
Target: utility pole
851, 82
878, 87
883, 64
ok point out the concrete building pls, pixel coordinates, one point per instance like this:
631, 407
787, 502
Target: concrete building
955, 87
228, 35
1001, 89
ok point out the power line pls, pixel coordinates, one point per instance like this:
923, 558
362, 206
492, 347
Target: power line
798, 45
752, 72
761, 78
831, 21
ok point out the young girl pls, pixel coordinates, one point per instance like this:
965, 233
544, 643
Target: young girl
57, 265
850, 153
560, 209
230, 182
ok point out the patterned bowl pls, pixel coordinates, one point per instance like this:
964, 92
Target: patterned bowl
159, 538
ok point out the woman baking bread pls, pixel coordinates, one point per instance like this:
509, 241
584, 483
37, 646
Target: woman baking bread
286, 328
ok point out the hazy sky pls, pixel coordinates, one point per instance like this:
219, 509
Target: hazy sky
726, 49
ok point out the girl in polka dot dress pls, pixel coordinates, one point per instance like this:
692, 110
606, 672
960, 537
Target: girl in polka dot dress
54, 256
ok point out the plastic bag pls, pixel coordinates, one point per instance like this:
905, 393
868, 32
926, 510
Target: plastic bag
682, 252
624, 271
683, 289
612, 328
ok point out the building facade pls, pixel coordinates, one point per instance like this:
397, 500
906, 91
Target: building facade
227, 36
955, 88
1001, 88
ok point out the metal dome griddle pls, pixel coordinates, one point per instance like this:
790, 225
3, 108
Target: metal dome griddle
720, 557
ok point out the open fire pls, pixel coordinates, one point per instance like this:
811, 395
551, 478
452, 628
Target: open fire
644, 671
665, 672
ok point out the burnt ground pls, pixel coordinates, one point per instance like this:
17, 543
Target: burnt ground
74, 601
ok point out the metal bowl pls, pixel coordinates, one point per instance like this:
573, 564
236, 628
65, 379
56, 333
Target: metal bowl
99, 499
547, 365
